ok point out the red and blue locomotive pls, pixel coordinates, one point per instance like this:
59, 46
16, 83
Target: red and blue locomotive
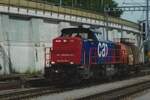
80, 54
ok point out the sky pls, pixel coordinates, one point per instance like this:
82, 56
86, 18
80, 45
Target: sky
132, 16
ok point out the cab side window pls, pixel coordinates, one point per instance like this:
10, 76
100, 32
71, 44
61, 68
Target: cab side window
91, 36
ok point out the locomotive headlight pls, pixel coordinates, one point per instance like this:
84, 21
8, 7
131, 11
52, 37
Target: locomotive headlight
65, 40
58, 41
52, 62
71, 62
56, 71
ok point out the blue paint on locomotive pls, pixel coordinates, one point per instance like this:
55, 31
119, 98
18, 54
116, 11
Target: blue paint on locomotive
87, 45
105, 52
97, 52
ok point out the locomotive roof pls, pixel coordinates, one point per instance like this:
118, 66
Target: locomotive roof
76, 30
82, 30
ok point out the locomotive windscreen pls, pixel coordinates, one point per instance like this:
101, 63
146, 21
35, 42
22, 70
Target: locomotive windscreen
83, 32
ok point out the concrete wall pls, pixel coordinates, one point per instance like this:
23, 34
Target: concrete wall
23, 39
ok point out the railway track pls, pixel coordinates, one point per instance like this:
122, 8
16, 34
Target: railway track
10, 81
120, 93
19, 94
9, 85
15, 81
15, 76
24, 93
27, 93
11, 77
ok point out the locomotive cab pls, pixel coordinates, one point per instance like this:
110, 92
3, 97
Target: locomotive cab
67, 49
67, 54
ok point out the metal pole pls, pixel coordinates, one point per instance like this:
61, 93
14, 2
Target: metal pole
106, 22
147, 19
72, 3
102, 5
147, 28
60, 2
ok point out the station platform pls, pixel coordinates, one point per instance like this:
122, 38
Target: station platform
80, 93
145, 96
4, 92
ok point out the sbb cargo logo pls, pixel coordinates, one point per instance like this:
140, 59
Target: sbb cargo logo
102, 49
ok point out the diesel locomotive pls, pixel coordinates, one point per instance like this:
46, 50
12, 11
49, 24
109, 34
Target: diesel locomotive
79, 54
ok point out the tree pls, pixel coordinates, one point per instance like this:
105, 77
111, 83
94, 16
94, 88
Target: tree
116, 13
93, 5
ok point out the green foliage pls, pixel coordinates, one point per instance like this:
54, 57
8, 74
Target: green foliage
32, 72
93, 5
116, 13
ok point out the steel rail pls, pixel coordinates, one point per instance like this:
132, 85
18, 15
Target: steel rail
16, 77
44, 6
119, 93
28, 93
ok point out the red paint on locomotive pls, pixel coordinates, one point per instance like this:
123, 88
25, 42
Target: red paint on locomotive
66, 50
121, 54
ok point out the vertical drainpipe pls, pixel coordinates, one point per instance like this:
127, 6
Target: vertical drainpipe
9, 54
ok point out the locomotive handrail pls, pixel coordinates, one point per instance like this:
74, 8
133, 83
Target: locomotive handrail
44, 6
47, 60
